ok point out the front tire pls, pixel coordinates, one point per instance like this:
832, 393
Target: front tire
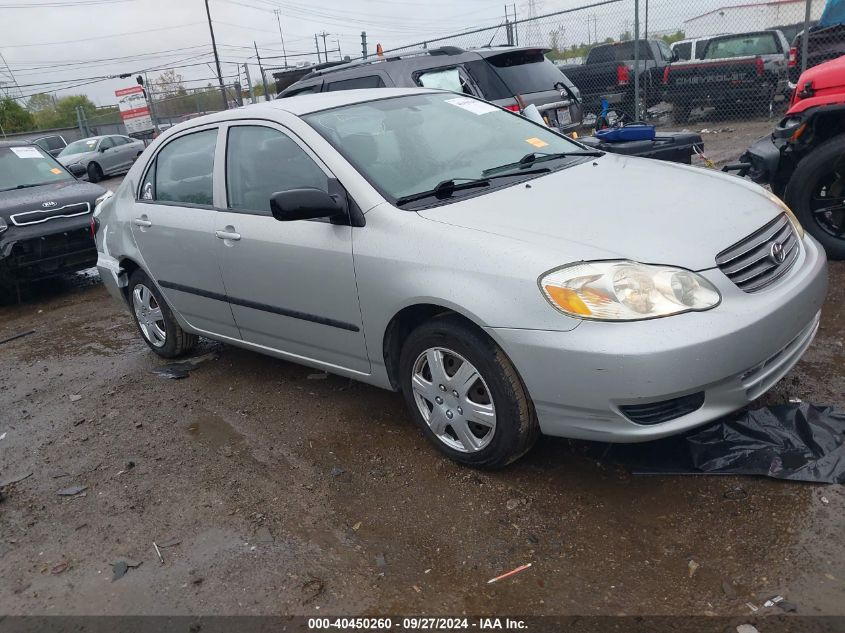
816, 194
465, 395
154, 319
95, 172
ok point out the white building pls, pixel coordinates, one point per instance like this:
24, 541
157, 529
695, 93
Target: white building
755, 16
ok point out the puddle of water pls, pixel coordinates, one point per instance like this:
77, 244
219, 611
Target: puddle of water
214, 432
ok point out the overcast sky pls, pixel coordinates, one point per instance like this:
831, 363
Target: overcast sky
78, 41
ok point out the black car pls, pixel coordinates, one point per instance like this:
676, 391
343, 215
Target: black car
503, 75
45, 216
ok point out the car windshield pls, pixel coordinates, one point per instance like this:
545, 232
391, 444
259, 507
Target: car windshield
80, 147
28, 166
741, 46
408, 145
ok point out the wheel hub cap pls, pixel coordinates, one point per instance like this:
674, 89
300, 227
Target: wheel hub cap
454, 400
149, 316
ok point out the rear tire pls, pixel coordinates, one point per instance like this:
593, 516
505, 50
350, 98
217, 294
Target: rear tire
820, 175
154, 319
95, 172
486, 421
681, 112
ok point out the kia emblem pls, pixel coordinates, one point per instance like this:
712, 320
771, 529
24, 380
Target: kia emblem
47, 205
777, 254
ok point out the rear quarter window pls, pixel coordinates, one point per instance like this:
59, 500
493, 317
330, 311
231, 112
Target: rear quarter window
369, 81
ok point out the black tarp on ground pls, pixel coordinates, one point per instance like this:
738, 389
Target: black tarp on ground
800, 442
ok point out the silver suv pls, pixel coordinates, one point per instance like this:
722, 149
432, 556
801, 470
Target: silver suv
479, 263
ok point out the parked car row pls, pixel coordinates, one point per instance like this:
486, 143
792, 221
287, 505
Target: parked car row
101, 156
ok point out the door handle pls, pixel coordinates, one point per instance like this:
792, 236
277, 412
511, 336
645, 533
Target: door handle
228, 235
142, 222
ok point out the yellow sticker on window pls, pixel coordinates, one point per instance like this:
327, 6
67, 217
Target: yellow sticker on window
536, 142
56, 170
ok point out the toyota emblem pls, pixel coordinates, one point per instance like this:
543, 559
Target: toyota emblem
777, 254
47, 205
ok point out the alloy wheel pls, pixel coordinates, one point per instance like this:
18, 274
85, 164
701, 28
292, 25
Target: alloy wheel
454, 400
149, 316
827, 201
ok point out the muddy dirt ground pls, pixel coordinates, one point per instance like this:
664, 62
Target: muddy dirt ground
276, 493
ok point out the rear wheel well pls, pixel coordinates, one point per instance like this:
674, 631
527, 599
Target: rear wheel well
128, 267
406, 321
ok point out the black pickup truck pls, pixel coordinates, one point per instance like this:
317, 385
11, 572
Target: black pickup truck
823, 44
744, 69
608, 73
45, 216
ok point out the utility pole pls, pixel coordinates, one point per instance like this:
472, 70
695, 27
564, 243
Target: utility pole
317, 44
636, 60
324, 35
261, 70
515, 24
337, 45
216, 59
806, 35
278, 13
364, 44
249, 84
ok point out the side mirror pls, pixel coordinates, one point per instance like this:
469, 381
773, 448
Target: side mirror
102, 149
675, 56
303, 204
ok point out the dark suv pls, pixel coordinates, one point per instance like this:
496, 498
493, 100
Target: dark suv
498, 74
45, 216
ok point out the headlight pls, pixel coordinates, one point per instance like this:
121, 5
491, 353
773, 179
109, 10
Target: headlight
626, 291
783, 207
3, 225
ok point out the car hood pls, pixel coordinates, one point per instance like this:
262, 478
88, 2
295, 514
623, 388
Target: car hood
33, 198
619, 207
75, 158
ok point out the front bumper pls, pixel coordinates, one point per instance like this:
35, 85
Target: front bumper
578, 380
32, 253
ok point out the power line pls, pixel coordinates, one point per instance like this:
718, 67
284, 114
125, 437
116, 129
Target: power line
101, 37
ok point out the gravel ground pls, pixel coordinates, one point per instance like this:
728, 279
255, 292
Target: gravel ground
276, 493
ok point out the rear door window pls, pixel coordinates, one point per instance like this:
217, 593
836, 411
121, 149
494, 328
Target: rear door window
700, 46
454, 79
183, 170
369, 81
526, 71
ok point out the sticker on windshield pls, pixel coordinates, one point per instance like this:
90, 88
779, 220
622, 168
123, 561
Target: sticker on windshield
26, 152
473, 105
536, 142
56, 171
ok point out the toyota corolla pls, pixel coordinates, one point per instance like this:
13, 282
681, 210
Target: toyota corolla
508, 281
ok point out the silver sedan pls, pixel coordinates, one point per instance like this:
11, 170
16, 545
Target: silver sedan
506, 280
100, 156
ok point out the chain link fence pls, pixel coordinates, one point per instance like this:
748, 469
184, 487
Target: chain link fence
696, 63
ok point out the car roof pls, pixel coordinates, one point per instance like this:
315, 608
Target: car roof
17, 143
452, 53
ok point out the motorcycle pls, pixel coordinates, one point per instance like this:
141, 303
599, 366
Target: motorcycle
803, 159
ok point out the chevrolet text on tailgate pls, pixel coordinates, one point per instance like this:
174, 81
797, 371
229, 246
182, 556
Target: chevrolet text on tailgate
444, 247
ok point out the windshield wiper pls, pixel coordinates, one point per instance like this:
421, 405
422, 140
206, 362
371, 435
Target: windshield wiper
37, 184
446, 188
534, 157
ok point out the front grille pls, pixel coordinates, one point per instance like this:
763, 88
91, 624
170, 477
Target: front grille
753, 263
44, 215
663, 411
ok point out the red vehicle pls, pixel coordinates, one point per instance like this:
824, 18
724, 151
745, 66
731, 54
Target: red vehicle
803, 159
